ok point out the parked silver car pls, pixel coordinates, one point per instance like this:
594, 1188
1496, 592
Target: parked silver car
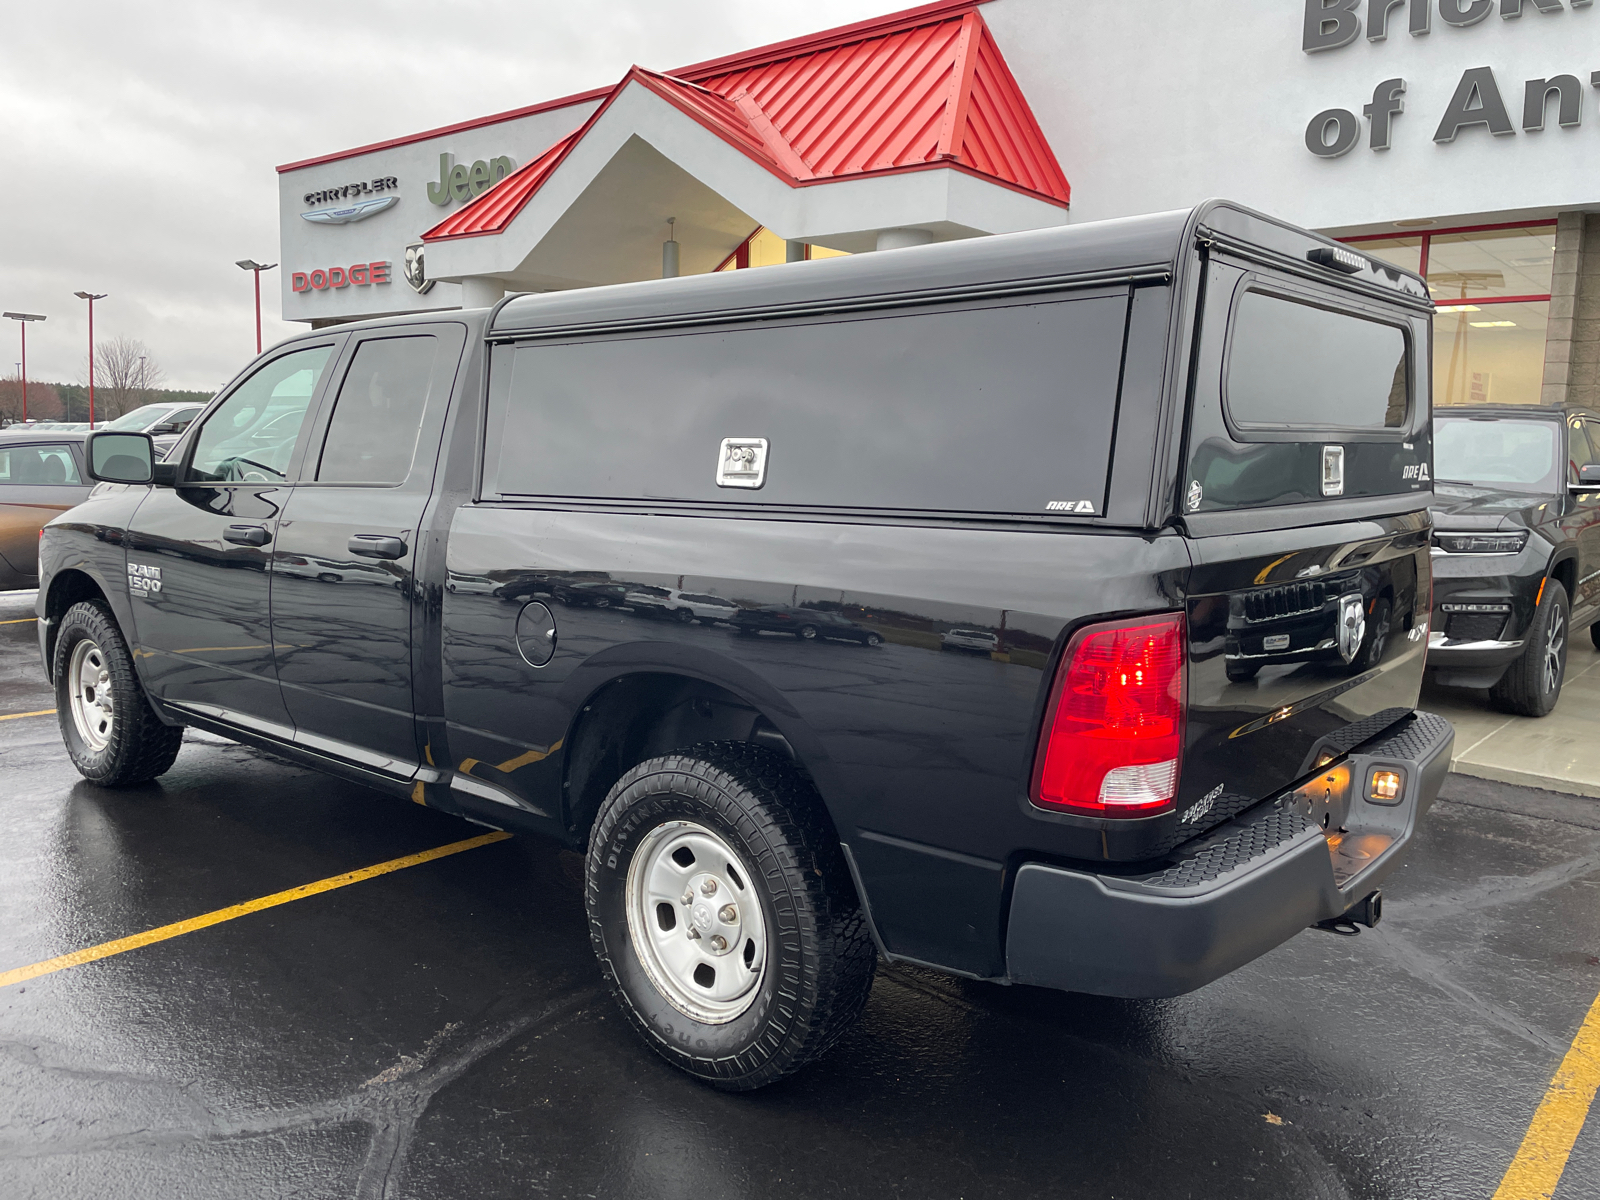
980, 641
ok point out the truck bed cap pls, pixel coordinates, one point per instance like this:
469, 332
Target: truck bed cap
1128, 249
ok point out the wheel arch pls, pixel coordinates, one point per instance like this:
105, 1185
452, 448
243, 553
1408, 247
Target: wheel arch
70, 586
630, 710
1564, 570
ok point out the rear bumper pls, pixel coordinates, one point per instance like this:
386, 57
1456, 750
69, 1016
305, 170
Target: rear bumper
1242, 889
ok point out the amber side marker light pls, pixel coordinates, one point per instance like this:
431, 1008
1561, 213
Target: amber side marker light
1383, 787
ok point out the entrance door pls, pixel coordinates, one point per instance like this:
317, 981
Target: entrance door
344, 558
204, 630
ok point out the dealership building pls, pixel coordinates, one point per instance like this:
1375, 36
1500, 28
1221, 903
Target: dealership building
1458, 138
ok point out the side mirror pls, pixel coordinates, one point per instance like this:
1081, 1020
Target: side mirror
1588, 478
120, 457
163, 427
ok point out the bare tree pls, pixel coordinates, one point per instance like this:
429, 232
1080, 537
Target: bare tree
125, 373
43, 402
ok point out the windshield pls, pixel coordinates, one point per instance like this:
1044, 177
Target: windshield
139, 419
1513, 454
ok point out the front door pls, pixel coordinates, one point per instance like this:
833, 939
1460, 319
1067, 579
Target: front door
198, 552
344, 559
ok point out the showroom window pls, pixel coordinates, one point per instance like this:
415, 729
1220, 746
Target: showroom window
1492, 286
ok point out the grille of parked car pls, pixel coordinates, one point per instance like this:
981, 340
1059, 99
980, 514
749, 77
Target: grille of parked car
1286, 601
1475, 627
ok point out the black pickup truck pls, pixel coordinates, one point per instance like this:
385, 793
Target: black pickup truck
1175, 465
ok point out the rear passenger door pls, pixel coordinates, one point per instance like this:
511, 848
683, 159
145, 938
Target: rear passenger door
344, 562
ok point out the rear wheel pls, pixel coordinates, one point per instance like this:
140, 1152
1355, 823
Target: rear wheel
873, 639
806, 633
684, 615
1242, 672
1532, 685
112, 734
721, 912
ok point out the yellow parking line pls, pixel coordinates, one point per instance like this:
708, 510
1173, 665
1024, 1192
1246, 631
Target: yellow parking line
1542, 1158
107, 949
43, 712
19, 621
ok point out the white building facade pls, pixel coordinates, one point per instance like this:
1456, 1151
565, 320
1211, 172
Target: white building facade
1456, 137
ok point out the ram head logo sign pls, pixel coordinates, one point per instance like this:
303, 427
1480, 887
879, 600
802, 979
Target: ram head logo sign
416, 274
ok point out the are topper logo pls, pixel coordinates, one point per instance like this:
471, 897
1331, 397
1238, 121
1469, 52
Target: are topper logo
361, 275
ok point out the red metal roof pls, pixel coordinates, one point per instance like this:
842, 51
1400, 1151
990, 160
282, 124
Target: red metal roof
926, 89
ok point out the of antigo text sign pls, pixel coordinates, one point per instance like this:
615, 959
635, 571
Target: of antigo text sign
361, 275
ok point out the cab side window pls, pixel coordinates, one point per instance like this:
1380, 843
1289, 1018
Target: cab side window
38, 466
251, 437
372, 437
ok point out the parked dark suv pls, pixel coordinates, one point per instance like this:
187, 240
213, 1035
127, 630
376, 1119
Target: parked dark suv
1516, 549
1102, 440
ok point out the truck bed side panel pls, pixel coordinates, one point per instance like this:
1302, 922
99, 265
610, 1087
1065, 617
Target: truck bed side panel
922, 754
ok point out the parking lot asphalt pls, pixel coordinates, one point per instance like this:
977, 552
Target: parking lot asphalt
439, 1029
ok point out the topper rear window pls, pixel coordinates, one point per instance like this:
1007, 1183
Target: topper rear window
1296, 366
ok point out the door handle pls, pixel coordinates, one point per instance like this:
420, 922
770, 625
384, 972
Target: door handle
246, 535
375, 545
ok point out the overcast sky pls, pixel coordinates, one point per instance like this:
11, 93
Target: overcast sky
139, 140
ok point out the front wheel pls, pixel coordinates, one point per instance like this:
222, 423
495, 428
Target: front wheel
806, 633
1532, 685
684, 615
1594, 634
112, 734
722, 914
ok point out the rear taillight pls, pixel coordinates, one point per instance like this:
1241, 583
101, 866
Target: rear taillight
1113, 731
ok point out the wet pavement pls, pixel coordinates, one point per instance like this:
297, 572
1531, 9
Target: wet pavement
441, 1031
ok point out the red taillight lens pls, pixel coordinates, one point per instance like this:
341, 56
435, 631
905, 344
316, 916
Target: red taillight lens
1113, 731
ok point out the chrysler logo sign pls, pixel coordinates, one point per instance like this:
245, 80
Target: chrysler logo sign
359, 211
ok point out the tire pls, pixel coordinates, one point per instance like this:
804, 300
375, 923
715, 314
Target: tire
873, 639
602, 602
1242, 672
806, 960
112, 734
806, 633
1531, 686
684, 615
1594, 634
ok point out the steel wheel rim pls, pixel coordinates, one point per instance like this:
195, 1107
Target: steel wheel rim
709, 982
1555, 642
89, 695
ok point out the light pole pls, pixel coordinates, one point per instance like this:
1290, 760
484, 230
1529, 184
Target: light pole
91, 297
250, 264
22, 319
